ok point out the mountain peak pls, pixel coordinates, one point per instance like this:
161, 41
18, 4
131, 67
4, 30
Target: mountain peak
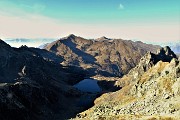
71, 36
166, 51
103, 38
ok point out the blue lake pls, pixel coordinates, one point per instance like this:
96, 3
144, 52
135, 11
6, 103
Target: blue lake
88, 85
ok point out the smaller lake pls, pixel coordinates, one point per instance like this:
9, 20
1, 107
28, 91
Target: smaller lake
88, 85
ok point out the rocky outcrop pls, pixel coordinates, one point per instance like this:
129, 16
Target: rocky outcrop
151, 93
150, 59
102, 56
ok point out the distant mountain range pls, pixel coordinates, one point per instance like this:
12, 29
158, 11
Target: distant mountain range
17, 42
111, 66
102, 56
41, 42
176, 48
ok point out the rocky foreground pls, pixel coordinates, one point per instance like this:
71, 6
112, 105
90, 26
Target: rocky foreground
150, 91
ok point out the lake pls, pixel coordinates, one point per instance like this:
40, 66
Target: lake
88, 85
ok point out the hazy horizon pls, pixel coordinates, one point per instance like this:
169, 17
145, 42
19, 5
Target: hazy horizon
36, 42
155, 21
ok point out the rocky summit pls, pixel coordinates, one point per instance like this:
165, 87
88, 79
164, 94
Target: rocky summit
150, 91
102, 56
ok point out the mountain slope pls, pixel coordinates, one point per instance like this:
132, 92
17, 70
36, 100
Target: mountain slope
34, 87
102, 56
151, 90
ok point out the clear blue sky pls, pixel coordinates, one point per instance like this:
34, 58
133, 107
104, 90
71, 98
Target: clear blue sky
133, 19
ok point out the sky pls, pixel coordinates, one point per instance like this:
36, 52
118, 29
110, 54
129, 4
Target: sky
152, 21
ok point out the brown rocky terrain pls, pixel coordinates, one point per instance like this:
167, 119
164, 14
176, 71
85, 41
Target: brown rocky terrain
102, 56
150, 91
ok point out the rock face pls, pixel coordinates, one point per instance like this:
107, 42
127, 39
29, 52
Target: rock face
102, 56
34, 87
151, 90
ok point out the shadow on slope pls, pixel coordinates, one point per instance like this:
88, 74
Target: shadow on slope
87, 58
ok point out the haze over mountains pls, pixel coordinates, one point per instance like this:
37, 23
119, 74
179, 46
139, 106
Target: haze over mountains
30, 42
176, 48
41, 42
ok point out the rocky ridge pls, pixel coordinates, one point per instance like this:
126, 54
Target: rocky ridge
149, 91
